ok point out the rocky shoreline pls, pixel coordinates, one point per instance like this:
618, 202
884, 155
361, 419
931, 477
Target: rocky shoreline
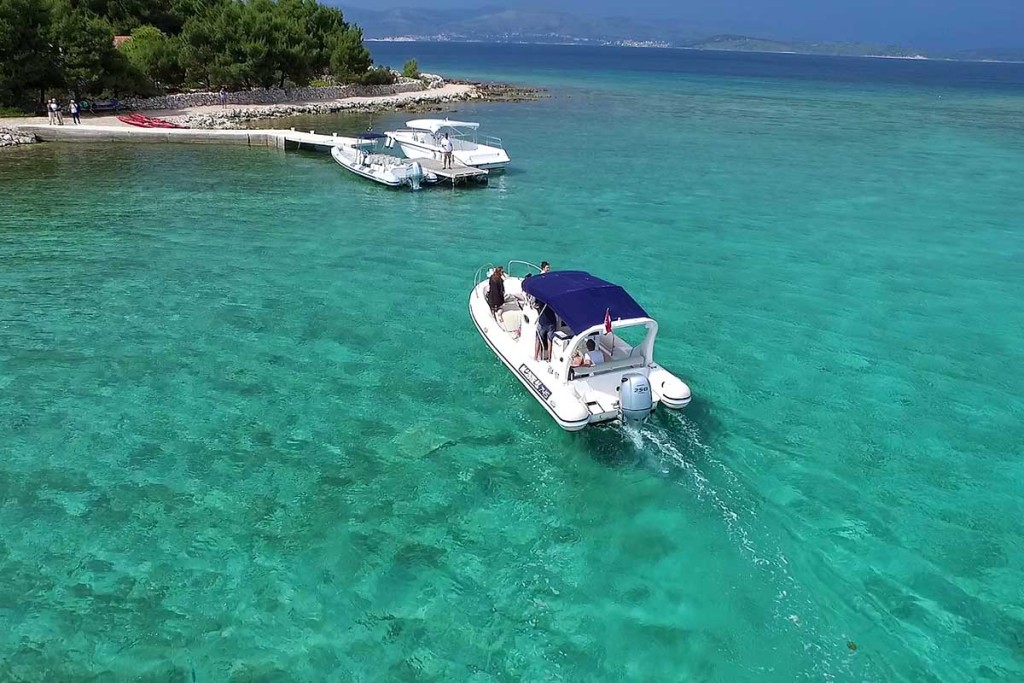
12, 137
430, 99
249, 109
504, 92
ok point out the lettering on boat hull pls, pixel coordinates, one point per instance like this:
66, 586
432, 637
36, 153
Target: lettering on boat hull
535, 381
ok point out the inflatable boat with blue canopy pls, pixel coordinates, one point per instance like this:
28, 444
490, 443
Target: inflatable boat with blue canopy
560, 333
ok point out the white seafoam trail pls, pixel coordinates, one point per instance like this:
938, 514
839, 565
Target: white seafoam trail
793, 608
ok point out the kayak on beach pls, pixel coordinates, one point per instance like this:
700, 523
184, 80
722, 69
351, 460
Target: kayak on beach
147, 121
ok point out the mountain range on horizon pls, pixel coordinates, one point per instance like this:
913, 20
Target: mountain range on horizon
503, 24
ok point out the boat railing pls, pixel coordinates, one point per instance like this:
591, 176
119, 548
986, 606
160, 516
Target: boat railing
477, 139
425, 137
492, 141
508, 268
486, 270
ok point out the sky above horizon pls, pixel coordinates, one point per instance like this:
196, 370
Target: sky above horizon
951, 24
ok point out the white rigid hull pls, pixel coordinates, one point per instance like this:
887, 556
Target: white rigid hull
422, 140
381, 168
417, 145
574, 396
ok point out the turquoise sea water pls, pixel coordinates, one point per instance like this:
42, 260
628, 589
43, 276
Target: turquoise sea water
249, 433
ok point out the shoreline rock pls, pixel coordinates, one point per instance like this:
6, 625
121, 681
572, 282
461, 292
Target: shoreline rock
505, 92
430, 100
238, 118
14, 137
272, 96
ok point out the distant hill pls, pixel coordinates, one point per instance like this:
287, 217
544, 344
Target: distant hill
1004, 54
510, 25
502, 24
749, 44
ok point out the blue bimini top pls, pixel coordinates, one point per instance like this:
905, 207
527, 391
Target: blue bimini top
581, 300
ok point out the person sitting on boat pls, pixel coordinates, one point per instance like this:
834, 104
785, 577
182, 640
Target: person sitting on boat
496, 290
594, 355
545, 267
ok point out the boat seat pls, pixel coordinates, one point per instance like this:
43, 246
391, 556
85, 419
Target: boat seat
385, 160
511, 320
609, 366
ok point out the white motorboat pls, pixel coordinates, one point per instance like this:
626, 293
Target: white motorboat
382, 168
623, 384
421, 139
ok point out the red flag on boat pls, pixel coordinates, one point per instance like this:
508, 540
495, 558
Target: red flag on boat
607, 321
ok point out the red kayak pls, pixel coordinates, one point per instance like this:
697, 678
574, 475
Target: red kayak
146, 121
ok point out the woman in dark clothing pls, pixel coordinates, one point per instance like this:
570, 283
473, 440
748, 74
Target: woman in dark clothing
496, 290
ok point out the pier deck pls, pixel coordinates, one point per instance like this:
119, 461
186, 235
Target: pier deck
281, 139
276, 138
458, 173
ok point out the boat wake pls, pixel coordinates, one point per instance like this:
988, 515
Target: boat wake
678, 451
657, 446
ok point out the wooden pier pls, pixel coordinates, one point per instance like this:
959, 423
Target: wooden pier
275, 138
280, 139
458, 173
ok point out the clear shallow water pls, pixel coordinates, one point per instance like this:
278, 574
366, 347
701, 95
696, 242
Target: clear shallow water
249, 433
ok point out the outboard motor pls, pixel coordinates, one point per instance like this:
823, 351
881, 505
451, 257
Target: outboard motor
636, 401
415, 175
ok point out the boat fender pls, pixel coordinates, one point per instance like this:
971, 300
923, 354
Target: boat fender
636, 401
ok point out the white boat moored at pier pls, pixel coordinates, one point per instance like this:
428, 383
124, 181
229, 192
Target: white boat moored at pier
421, 139
592, 374
382, 168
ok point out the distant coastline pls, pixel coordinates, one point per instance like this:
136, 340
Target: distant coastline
498, 23
972, 57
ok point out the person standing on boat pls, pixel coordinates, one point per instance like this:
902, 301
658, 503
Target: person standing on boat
73, 108
496, 290
546, 324
446, 151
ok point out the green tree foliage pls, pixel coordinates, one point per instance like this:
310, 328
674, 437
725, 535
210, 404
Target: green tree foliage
67, 45
350, 59
154, 55
378, 75
84, 43
27, 65
411, 69
125, 16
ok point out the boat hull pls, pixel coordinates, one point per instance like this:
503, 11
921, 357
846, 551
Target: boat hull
584, 398
490, 162
395, 175
347, 164
567, 422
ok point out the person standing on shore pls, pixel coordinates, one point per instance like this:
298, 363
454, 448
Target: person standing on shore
51, 115
60, 112
73, 108
223, 96
446, 152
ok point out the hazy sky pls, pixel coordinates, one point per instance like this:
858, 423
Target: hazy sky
923, 23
